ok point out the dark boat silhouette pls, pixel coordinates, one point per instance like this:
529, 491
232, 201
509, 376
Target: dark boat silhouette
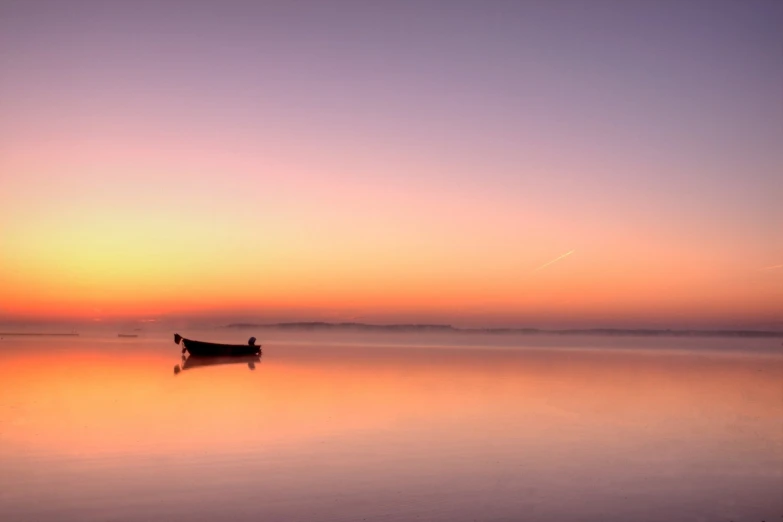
200, 361
202, 349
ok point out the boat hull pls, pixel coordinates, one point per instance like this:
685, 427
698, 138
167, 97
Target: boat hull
202, 349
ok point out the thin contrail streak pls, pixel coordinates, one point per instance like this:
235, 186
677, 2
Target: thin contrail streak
772, 267
554, 260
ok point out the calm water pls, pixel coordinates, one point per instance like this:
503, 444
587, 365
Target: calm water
396, 427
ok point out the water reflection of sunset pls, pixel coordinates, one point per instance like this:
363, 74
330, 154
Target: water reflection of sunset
361, 427
98, 402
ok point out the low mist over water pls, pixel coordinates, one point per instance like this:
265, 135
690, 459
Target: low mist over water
392, 426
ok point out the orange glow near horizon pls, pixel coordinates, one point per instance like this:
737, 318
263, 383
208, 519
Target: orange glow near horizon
113, 265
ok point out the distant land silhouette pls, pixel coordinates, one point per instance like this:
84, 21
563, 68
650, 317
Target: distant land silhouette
530, 331
37, 334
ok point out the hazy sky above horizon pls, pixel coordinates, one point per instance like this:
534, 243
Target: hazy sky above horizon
388, 161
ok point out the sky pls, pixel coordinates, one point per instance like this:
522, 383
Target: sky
498, 163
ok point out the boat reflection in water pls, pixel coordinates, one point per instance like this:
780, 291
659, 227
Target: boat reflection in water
200, 361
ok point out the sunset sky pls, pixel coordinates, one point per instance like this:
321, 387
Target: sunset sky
560, 163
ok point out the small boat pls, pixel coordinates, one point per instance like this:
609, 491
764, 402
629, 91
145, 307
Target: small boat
127, 335
200, 348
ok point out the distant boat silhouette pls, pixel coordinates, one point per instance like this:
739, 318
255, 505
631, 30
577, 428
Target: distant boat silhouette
200, 348
127, 335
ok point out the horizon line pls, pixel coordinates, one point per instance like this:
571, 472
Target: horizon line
738, 332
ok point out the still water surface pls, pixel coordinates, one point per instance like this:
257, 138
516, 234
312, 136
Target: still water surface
397, 427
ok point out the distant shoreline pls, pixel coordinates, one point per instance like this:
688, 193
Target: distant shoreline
37, 334
310, 326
